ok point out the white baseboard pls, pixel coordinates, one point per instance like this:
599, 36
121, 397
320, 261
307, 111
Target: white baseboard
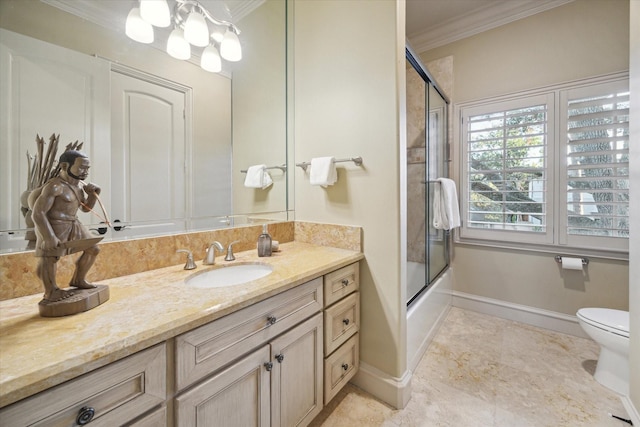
631, 410
546, 319
391, 390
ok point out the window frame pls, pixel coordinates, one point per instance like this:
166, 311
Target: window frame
556, 237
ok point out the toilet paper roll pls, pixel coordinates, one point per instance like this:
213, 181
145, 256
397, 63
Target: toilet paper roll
571, 263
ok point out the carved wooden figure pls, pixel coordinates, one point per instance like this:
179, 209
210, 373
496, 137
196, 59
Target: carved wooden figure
59, 232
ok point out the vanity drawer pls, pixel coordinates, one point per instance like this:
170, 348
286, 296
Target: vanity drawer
210, 347
341, 321
116, 393
340, 367
341, 283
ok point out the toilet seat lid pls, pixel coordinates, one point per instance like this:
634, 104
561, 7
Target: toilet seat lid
615, 321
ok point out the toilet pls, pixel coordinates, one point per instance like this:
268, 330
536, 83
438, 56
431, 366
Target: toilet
610, 329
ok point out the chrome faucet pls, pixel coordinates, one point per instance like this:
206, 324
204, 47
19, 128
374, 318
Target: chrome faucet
190, 264
210, 257
230, 256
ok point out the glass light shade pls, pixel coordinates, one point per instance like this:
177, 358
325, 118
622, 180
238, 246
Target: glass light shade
230, 48
137, 28
218, 33
196, 31
177, 46
210, 59
155, 12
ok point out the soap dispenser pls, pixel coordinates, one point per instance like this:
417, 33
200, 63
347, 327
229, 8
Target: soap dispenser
264, 242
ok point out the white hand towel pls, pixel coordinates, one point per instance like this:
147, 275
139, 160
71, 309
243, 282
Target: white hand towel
446, 213
257, 177
323, 171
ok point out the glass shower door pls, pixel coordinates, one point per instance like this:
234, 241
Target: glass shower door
437, 167
416, 261
427, 248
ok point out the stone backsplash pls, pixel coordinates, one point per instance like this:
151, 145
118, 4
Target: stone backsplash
18, 270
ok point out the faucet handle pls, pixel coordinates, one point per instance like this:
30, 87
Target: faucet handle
230, 256
190, 265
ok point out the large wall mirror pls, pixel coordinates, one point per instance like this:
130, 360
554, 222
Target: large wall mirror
69, 69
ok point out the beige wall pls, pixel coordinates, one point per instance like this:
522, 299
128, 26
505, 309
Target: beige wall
580, 39
349, 63
634, 255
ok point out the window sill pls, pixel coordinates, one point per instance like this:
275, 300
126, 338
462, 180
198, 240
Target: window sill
550, 249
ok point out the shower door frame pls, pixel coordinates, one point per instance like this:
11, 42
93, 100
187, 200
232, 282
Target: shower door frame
430, 82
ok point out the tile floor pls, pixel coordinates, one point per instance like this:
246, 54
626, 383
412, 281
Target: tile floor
485, 371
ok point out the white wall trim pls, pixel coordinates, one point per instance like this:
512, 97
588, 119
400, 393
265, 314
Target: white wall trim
546, 319
478, 21
391, 390
631, 410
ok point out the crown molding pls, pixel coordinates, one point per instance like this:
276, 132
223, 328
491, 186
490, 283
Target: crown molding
478, 21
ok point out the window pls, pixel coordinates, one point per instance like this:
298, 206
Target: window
548, 168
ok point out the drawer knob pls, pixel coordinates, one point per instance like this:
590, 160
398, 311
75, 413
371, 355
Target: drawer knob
345, 366
345, 282
280, 357
85, 415
271, 320
268, 366
345, 321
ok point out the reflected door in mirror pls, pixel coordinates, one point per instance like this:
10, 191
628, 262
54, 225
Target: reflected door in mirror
148, 156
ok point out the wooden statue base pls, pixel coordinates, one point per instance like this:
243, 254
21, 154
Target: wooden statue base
82, 300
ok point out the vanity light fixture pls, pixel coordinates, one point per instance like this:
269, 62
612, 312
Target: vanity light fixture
190, 22
137, 28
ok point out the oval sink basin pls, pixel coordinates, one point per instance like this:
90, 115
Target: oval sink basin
228, 276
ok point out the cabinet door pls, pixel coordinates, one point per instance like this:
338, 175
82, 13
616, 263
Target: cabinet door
296, 383
237, 396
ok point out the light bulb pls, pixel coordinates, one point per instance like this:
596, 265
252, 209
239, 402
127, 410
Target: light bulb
155, 12
177, 46
137, 28
230, 48
210, 59
196, 31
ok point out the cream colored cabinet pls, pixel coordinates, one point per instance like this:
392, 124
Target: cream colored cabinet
341, 326
279, 384
114, 395
259, 366
274, 363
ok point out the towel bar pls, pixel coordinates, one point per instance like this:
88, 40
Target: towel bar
356, 160
283, 168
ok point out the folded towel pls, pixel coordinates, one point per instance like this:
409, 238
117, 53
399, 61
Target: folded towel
323, 171
258, 177
446, 213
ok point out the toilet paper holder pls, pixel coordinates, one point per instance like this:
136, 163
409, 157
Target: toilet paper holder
585, 261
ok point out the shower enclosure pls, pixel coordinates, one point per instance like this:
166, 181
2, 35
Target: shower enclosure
427, 160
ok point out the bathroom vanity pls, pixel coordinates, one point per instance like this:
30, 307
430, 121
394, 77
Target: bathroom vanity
272, 351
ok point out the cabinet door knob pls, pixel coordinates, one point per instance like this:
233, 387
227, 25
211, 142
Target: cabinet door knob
345, 321
345, 366
345, 282
85, 415
279, 357
268, 366
271, 320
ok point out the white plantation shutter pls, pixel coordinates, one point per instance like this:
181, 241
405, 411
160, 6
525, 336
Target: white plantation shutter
596, 172
549, 169
507, 162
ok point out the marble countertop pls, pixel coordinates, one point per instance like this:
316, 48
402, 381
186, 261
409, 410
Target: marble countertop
144, 309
